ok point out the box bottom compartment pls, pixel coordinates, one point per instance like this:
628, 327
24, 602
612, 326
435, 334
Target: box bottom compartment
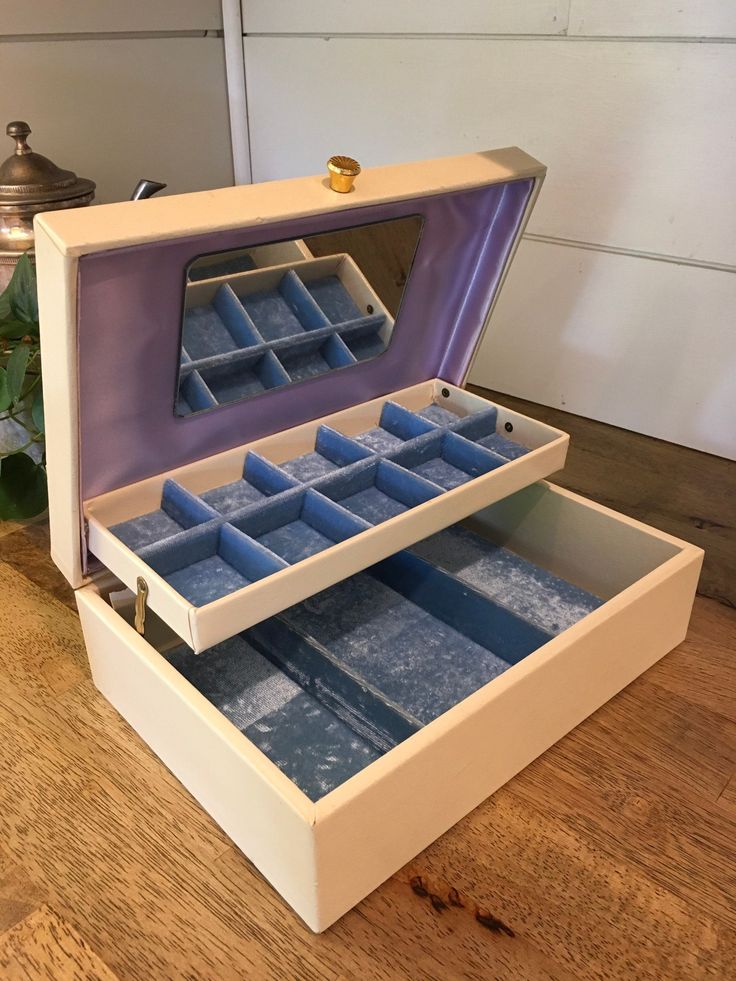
321, 741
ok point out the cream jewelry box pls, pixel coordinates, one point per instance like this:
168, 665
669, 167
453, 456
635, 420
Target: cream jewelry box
330, 588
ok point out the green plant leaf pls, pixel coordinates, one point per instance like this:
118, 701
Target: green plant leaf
14, 328
16, 370
37, 411
4, 305
22, 291
23, 491
5, 399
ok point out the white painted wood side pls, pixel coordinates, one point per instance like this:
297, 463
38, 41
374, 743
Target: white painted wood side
468, 753
109, 16
89, 230
653, 18
646, 345
57, 306
117, 109
407, 17
637, 156
256, 805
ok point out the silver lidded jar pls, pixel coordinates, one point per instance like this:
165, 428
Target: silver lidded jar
30, 183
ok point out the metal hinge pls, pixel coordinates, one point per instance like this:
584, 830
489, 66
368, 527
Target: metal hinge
141, 597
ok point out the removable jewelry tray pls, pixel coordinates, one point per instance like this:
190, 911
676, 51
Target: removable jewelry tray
229, 541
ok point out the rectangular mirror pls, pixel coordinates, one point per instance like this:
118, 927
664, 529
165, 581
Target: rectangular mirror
284, 312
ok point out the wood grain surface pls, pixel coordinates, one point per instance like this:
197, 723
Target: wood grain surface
43, 947
612, 856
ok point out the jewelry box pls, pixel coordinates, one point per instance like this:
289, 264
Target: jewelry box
328, 586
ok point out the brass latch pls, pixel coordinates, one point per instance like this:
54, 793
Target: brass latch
140, 604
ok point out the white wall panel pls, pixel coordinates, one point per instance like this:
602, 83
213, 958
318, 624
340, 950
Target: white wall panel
117, 110
108, 16
405, 17
642, 344
640, 137
653, 18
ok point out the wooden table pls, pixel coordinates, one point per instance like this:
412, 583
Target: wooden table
612, 856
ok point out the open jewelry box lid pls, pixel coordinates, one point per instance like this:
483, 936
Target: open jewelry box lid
111, 282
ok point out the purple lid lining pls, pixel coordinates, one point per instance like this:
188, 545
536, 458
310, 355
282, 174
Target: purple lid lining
130, 310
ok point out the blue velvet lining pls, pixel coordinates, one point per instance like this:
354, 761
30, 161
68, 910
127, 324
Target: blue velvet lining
302, 506
299, 525
217, 561
179, 510
420, 637
248, 376
332, 451
327, 686
334, 299
194, 395
261, 479
439, 415
531, 592
313, 747
447, 459
239, 346
396, 426
379, 491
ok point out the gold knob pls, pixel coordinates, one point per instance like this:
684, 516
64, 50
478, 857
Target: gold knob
342, 171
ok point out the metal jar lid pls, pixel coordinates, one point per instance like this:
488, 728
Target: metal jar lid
30, 178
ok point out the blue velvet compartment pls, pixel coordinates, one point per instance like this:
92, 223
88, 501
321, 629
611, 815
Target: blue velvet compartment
261, 479
480, 428
379, 491
545, 600
315, 357
421, 638
291, 727
285, 311
296, 526
332, 451
354, 481
329, 685
236, 347
211, 561
220, 327
179, 510
332, 297
244, 376
448, 460
396, 426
